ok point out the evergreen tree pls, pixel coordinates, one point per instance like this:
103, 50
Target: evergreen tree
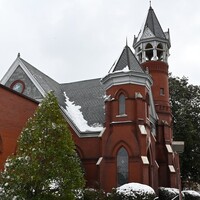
46, 165
185, 101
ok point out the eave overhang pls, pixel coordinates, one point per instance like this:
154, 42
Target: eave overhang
147, 40
128, 77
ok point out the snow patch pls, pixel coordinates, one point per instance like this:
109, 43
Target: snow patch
53, 125
53, 185
126, 69
74, 113
174, 191
107, 97
192, 193
130, 188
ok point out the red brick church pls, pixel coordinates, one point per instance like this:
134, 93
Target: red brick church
121, 123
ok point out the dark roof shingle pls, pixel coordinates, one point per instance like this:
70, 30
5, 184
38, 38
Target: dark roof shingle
153, 24
127, 58
89, 95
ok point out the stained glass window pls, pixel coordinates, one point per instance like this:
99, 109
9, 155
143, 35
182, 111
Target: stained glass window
121, 104
122, 166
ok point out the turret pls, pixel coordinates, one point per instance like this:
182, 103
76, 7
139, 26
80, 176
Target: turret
152, 44
130, 122
152, 51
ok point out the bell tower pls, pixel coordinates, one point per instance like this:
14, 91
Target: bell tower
152, 44
152, 51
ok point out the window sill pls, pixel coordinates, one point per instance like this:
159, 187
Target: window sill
123, 115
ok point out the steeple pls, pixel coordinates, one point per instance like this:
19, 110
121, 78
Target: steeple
126, 61
152, 51
153, 24
152, 43
126, 70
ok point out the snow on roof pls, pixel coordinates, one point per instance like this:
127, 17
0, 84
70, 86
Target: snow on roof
126, 69
130, 188
74, 113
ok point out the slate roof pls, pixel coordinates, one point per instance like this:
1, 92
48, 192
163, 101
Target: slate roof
153, 24
47, 83
127, 58
87, 94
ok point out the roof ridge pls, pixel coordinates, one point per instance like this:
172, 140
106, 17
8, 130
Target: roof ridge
135, 58
29, 65
86, 80
128, 59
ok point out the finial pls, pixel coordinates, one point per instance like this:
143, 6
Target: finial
126, 41
150, 4
18, 55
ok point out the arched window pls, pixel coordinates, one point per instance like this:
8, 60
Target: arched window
122, 166
139, 53
147, 105
149, 51
122, 105
160, 51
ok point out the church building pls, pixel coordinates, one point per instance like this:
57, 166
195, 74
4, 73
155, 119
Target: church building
122, 123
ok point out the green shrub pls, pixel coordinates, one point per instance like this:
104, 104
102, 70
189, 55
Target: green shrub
93, 194
191, 195
167, 193
133, 191
132, 195
170, 194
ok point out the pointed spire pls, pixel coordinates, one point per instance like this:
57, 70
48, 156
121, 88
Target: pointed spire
18, 55
126, 41
152, 34
151, 28
153, 24
127, 58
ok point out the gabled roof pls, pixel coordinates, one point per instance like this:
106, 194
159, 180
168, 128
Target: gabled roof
127, 61
87, 95
47, 83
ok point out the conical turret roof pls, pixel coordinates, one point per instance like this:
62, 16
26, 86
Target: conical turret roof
126, 61
153, 24
152, 28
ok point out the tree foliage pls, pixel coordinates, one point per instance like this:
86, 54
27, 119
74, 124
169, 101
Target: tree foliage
185, 101
46, 165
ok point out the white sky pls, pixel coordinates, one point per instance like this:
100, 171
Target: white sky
72, 40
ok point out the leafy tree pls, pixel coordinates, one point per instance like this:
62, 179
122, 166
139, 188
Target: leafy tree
185, 101
46, 165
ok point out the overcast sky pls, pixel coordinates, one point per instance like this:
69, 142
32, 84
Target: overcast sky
73, 40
